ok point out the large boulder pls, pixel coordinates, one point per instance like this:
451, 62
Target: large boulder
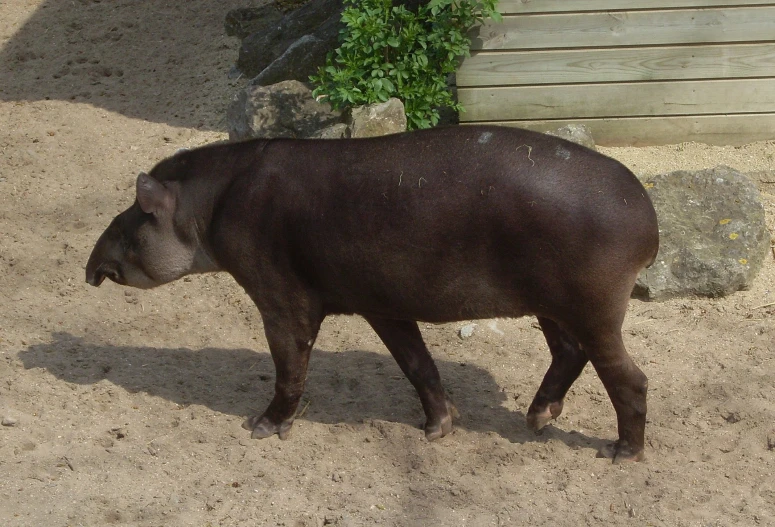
713, 238
317, 22
298, 62
285, 109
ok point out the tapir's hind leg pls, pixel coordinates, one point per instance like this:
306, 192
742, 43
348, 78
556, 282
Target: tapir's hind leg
568, 360
626, 385
404, 340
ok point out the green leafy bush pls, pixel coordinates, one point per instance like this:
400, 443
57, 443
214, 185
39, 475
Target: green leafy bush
389, 51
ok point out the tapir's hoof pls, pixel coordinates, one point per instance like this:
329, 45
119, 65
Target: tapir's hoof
537, 419
443, 426
620, 452
261, 427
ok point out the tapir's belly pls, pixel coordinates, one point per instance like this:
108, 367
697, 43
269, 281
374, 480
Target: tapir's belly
434, 278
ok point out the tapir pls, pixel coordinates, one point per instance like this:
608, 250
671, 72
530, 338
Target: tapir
439, 225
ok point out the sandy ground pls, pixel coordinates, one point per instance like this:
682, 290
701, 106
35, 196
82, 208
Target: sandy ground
127, 404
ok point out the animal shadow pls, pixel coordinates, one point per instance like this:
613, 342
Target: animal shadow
342, 387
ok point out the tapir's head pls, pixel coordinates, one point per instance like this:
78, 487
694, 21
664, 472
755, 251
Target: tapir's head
148, 244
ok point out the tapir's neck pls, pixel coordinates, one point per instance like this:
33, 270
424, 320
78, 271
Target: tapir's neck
204, 262
214, 171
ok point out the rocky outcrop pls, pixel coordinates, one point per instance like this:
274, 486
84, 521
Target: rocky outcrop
299, 61
713, 238
285, 109
292, 48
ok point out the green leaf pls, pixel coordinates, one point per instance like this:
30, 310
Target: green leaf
386, 50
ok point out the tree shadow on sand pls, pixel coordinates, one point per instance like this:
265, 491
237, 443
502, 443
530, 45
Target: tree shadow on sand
155, 61
343, 387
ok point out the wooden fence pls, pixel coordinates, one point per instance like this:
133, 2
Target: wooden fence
635, 71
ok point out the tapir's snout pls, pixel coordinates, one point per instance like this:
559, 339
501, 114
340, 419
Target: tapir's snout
94, 274
106, 270
104, 260
110, 260
95, 278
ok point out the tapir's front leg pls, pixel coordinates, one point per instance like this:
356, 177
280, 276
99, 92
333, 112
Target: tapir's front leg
290, 335
404, 341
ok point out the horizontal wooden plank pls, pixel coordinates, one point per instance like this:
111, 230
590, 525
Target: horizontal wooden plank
618, 100
633, 28
551, 6
617, 65
711, 129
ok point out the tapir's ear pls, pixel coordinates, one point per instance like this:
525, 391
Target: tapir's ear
153, 197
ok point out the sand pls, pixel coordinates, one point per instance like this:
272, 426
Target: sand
124, 406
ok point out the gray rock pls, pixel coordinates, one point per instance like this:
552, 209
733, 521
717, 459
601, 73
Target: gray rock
713, 238
319, 19
285, 109
466, 331
298, 62
377, 119
9, 421
335, 131
244, 22
577, 133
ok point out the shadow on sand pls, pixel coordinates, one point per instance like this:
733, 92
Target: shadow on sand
344, 387
155, 61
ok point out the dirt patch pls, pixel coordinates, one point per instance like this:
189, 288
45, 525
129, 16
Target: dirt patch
127, 404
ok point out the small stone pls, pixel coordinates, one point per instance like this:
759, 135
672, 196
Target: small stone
377, 119
466, 331
9, 421
732, 417
576, 133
